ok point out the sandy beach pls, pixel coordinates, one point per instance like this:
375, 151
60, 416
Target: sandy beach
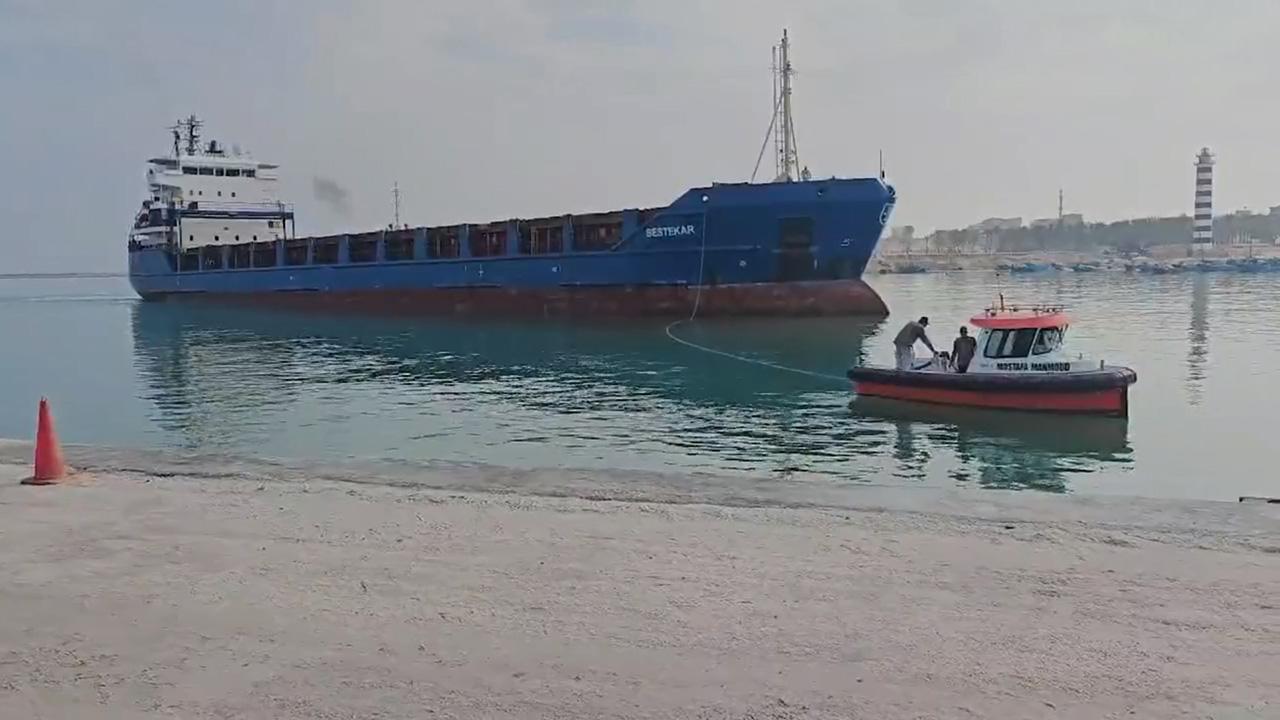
137, 595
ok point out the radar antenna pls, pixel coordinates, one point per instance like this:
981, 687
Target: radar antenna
191, 129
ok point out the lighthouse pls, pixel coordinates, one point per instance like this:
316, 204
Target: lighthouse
1202, 227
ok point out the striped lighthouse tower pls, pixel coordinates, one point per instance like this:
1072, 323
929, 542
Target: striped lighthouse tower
1202, 228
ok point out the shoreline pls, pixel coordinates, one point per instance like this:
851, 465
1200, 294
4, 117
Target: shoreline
251, 595
1161, 259
654, 487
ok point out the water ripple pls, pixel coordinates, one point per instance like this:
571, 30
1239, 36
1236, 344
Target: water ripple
622, 395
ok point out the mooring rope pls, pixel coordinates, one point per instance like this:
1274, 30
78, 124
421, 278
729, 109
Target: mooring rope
697, 302
754, 361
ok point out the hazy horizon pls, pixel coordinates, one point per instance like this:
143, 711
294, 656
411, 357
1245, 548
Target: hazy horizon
510, 108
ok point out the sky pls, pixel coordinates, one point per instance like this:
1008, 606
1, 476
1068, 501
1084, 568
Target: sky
493, 109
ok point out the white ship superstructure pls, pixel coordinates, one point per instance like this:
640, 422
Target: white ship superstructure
204, 195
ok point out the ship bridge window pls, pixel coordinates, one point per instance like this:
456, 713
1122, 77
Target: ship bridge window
233, 172
250, 173
219, 172
1010, 343
206, 171
189, 170
1047, 341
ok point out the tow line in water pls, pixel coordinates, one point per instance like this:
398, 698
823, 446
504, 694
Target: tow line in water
697, 304
753, 361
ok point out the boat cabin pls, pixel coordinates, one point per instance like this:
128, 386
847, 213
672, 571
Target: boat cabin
1023, 340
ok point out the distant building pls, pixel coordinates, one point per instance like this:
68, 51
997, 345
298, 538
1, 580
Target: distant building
899, 239
1246, 239
1067, 220
995, 223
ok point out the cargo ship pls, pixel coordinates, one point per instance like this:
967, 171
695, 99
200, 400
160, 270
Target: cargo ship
214, 228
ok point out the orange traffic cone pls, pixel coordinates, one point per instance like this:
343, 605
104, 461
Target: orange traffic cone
50, 468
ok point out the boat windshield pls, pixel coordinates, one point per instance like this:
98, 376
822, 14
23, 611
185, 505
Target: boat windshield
1047, 341
1009, 343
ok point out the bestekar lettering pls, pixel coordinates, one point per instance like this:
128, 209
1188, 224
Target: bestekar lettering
669, 231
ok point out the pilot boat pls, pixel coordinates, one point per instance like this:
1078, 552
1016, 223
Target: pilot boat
1020, 364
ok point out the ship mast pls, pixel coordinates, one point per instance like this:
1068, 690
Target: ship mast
191, 129
788, 159
782, 128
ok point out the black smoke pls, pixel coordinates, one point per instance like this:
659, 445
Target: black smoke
332, 195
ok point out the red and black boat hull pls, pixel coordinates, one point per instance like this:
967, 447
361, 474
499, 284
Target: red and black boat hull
1096, 392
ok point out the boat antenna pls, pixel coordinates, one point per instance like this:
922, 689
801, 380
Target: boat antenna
395, 199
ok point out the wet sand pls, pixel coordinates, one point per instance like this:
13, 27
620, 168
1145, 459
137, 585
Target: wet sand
136, 595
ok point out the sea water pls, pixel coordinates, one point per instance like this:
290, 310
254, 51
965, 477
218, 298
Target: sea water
621, 395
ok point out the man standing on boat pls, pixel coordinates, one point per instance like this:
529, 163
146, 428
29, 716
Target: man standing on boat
906, 340
963, 349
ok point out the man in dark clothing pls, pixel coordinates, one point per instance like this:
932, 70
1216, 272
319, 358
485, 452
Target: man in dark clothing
904, 357
963, 349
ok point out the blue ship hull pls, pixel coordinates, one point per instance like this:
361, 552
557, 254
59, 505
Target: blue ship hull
796, 248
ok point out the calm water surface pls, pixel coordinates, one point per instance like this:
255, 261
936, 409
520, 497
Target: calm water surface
623, 395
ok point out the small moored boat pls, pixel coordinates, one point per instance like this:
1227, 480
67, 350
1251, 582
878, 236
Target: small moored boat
1020, 364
